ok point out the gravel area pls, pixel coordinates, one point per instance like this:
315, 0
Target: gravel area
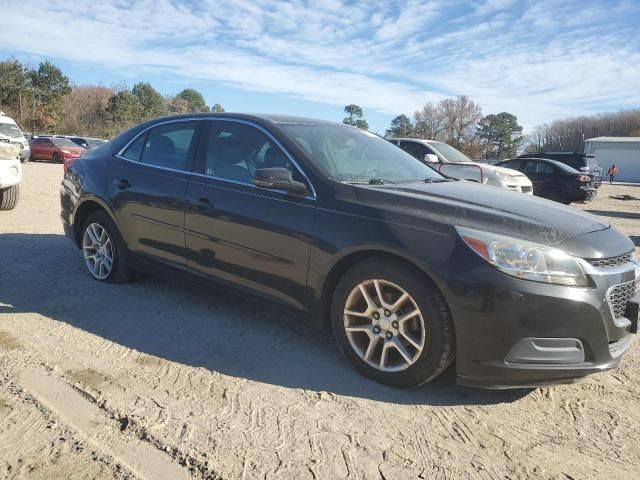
166, 379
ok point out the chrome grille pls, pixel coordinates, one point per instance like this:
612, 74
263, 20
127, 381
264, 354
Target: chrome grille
611, 262
619, 296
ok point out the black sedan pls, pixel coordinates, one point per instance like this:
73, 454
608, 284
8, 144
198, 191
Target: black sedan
555, 180
408, 268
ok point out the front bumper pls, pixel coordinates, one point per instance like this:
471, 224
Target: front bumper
10, 173
25, 153
516, 333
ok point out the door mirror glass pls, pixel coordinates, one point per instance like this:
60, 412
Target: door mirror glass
279, 178
431, 158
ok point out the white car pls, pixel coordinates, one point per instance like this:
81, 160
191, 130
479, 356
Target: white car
9, 129
454, 163
10, 173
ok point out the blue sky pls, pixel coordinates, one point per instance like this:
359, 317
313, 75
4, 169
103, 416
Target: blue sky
538, 59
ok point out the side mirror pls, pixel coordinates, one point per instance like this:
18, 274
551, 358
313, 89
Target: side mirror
278, 178
431, 158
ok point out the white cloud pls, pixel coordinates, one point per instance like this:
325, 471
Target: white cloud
539, 60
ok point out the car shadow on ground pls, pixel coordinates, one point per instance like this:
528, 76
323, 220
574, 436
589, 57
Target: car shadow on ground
615, 214
199, 326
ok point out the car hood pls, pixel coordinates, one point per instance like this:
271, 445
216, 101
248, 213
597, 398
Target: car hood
508, 171
483, 207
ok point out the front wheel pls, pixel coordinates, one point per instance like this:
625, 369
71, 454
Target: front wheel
55, 158
9, 197
392, 324
104, 250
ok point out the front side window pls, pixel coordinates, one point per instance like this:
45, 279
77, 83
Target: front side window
164, 146
234, 151
348, 154
416, 150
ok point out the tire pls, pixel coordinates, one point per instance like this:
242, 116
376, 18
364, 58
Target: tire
432, 328
24, 160
119, 272
55, 158
9, 197
553, 195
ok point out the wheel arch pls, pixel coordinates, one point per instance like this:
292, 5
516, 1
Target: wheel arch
83, 210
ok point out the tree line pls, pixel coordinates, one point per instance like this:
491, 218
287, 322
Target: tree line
460, 123
43, 100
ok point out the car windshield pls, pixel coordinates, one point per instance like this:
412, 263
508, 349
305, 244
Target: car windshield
351, 155
10, 130
94, 142
63, 142
450, 153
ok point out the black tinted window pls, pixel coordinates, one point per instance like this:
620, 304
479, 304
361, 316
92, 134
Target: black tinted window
134, 151
168, 145
235, 151
540, 168
514, 164
414, 149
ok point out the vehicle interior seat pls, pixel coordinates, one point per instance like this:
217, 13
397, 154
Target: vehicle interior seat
274, 157
223, 160
162, 151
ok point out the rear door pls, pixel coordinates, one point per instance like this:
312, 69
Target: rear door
147, 182
252, 237
541, 175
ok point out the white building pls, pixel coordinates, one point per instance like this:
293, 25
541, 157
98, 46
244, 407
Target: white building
624, 152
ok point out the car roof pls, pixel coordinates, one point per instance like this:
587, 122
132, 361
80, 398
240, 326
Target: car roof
559, 154
410, 139
275, 119
560, 165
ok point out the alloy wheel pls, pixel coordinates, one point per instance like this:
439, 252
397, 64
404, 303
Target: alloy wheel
384, 325
98, 251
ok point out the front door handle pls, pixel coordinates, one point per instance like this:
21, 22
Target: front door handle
122, 184
201, 203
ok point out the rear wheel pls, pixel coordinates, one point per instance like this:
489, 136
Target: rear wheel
392, 324
554, 195
104, 250
9, 197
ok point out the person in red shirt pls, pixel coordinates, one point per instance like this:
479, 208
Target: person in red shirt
612, 172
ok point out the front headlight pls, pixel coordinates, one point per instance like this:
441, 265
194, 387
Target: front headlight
525, 260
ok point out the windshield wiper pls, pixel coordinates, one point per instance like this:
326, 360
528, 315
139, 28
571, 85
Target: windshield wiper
436, 180
379, 181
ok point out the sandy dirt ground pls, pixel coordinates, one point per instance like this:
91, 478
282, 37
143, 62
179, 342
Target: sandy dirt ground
165, 379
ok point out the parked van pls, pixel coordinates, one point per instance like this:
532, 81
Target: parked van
9, 130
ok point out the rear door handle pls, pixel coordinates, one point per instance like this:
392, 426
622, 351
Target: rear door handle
201, 203
122, 184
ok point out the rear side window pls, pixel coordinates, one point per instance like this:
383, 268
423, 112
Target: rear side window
164, 146
513, 164
540, 168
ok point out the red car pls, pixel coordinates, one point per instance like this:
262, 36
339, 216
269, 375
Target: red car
55, 149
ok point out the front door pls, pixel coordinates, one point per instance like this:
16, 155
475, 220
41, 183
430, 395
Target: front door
148, 182
249, 236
